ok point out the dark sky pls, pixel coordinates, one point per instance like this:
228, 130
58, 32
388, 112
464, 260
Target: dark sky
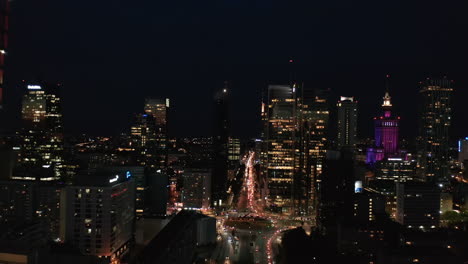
111, 54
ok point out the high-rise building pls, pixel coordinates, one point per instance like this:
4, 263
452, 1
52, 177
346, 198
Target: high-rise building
435, 120
386, 133
221, 128
4, 13
99, 212
418, 205
42, 133
196, 192
347, 122
158, 108
462, 150
295, 126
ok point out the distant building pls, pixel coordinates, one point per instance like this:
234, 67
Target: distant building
435, 120
368, 206
221, 133
99, 213
347, 122
462, 150
418, 205
158, 108
42, 134
386, 133
396, 169
197, 189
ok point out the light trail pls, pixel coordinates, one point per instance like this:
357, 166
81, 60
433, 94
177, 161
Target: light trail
250, 174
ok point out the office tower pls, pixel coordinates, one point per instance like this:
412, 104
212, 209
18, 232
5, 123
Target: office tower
158, 108
157, 194
336, 187
220, 145
295, 125
42, 133
99, 212
234, 156
368, 206
143, 140
4, 13
418, 205
462, 150
386, 133
396, 169
23, 202
196, 191
315, 115
347, 122
280, 132
141, 186
435, 119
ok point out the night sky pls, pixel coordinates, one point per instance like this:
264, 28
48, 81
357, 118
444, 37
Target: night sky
110, 55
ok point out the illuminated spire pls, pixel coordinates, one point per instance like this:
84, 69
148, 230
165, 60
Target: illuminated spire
387, 99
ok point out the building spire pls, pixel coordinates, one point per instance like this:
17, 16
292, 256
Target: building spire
387, 98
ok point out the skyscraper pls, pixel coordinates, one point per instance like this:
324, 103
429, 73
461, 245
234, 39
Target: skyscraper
435, 120
279, 112
158, 108
295, 126
221, 133
42, 133
386, 133
347, 122
4, 12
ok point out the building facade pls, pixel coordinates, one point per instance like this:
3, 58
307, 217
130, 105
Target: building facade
347, 122
99, 212
435, 121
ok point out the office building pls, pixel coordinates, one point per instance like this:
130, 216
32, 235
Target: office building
418, 205
435, 121
462, 150
396, 169
196, 193
221, 133
347, 122
158, 108
99, 213
42, 134
295, 133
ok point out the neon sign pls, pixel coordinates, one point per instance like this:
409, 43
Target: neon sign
34, 87
129, 174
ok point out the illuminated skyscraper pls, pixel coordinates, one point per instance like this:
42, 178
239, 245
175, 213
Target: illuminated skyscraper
295, 123
158, 108
435, 120
221, 133
347, 122
386, 133
4, 12
42, 133
280, 133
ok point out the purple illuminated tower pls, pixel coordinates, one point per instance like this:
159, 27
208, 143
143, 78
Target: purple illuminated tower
386, 133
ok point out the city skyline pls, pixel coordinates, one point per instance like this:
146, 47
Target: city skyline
237, 54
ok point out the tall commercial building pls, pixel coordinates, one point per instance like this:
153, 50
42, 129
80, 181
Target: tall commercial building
221, 133
295, 125
435, 120
158, 108
418, 205
4, 13
98, 213
386, 133
462, 150
347, 122
42, 133
196, 193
